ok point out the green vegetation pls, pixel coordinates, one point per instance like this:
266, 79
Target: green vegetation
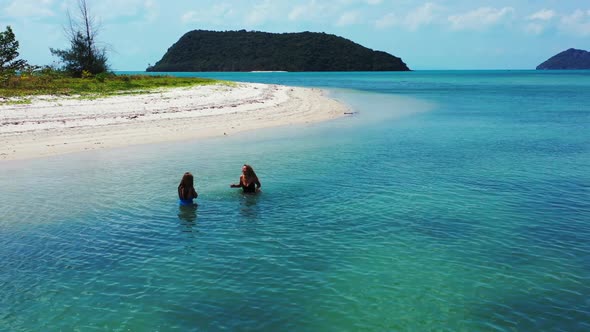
243, 50
84, 73
52, 82
84, 54
9, 64
9, 52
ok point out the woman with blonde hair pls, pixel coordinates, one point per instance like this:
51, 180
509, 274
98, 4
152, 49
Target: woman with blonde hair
248, 181
186, 190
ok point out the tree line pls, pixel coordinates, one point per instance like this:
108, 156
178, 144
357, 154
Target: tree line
83, 58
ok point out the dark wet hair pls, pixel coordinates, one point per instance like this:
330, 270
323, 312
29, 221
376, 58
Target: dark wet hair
249, 174
186, 189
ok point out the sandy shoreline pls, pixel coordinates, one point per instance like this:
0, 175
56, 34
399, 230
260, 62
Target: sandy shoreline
58, 125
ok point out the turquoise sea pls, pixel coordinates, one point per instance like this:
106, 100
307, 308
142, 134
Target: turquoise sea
450, 201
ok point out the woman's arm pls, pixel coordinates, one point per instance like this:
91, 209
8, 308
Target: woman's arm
239, 185
257, 183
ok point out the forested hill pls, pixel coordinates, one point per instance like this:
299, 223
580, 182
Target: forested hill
242, 50
569, 59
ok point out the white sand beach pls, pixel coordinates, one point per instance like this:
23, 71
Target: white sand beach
52, 125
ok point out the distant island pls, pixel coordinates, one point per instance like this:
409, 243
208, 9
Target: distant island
569, 59
202, 50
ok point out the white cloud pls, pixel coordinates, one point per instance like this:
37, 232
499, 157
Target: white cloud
108, 9
214, 15
131, 11
306, 11
190, 17
152, 10
422, 15
341, 12
534, 28
577, 23
261, 13
426, 14
479, 18
389, 20
348, 18
539, 21
542, 15
29, 9
320, 11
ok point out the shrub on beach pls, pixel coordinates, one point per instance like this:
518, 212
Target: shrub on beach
102, 77
52, 81
9, 52
9, 62
85, 57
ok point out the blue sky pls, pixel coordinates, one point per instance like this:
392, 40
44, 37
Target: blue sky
445, 34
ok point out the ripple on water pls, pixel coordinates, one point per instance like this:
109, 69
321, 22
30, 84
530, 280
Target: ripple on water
468, 217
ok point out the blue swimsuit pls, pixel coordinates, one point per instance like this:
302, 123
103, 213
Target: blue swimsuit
185, 202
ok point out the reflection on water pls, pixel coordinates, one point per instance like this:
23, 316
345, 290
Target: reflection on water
365, 225
187, 214
249, 208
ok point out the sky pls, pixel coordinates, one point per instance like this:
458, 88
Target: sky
444, 34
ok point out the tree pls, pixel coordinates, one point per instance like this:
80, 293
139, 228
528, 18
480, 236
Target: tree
84, 54
9, 52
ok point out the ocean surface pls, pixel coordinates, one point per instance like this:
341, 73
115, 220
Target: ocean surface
450, 201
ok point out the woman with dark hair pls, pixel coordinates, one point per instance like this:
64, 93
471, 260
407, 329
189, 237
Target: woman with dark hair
186, 189
248, 181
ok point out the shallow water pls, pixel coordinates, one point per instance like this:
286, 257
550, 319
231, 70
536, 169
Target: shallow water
450, 201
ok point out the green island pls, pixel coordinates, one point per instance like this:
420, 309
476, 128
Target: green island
572, 59
202, 50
